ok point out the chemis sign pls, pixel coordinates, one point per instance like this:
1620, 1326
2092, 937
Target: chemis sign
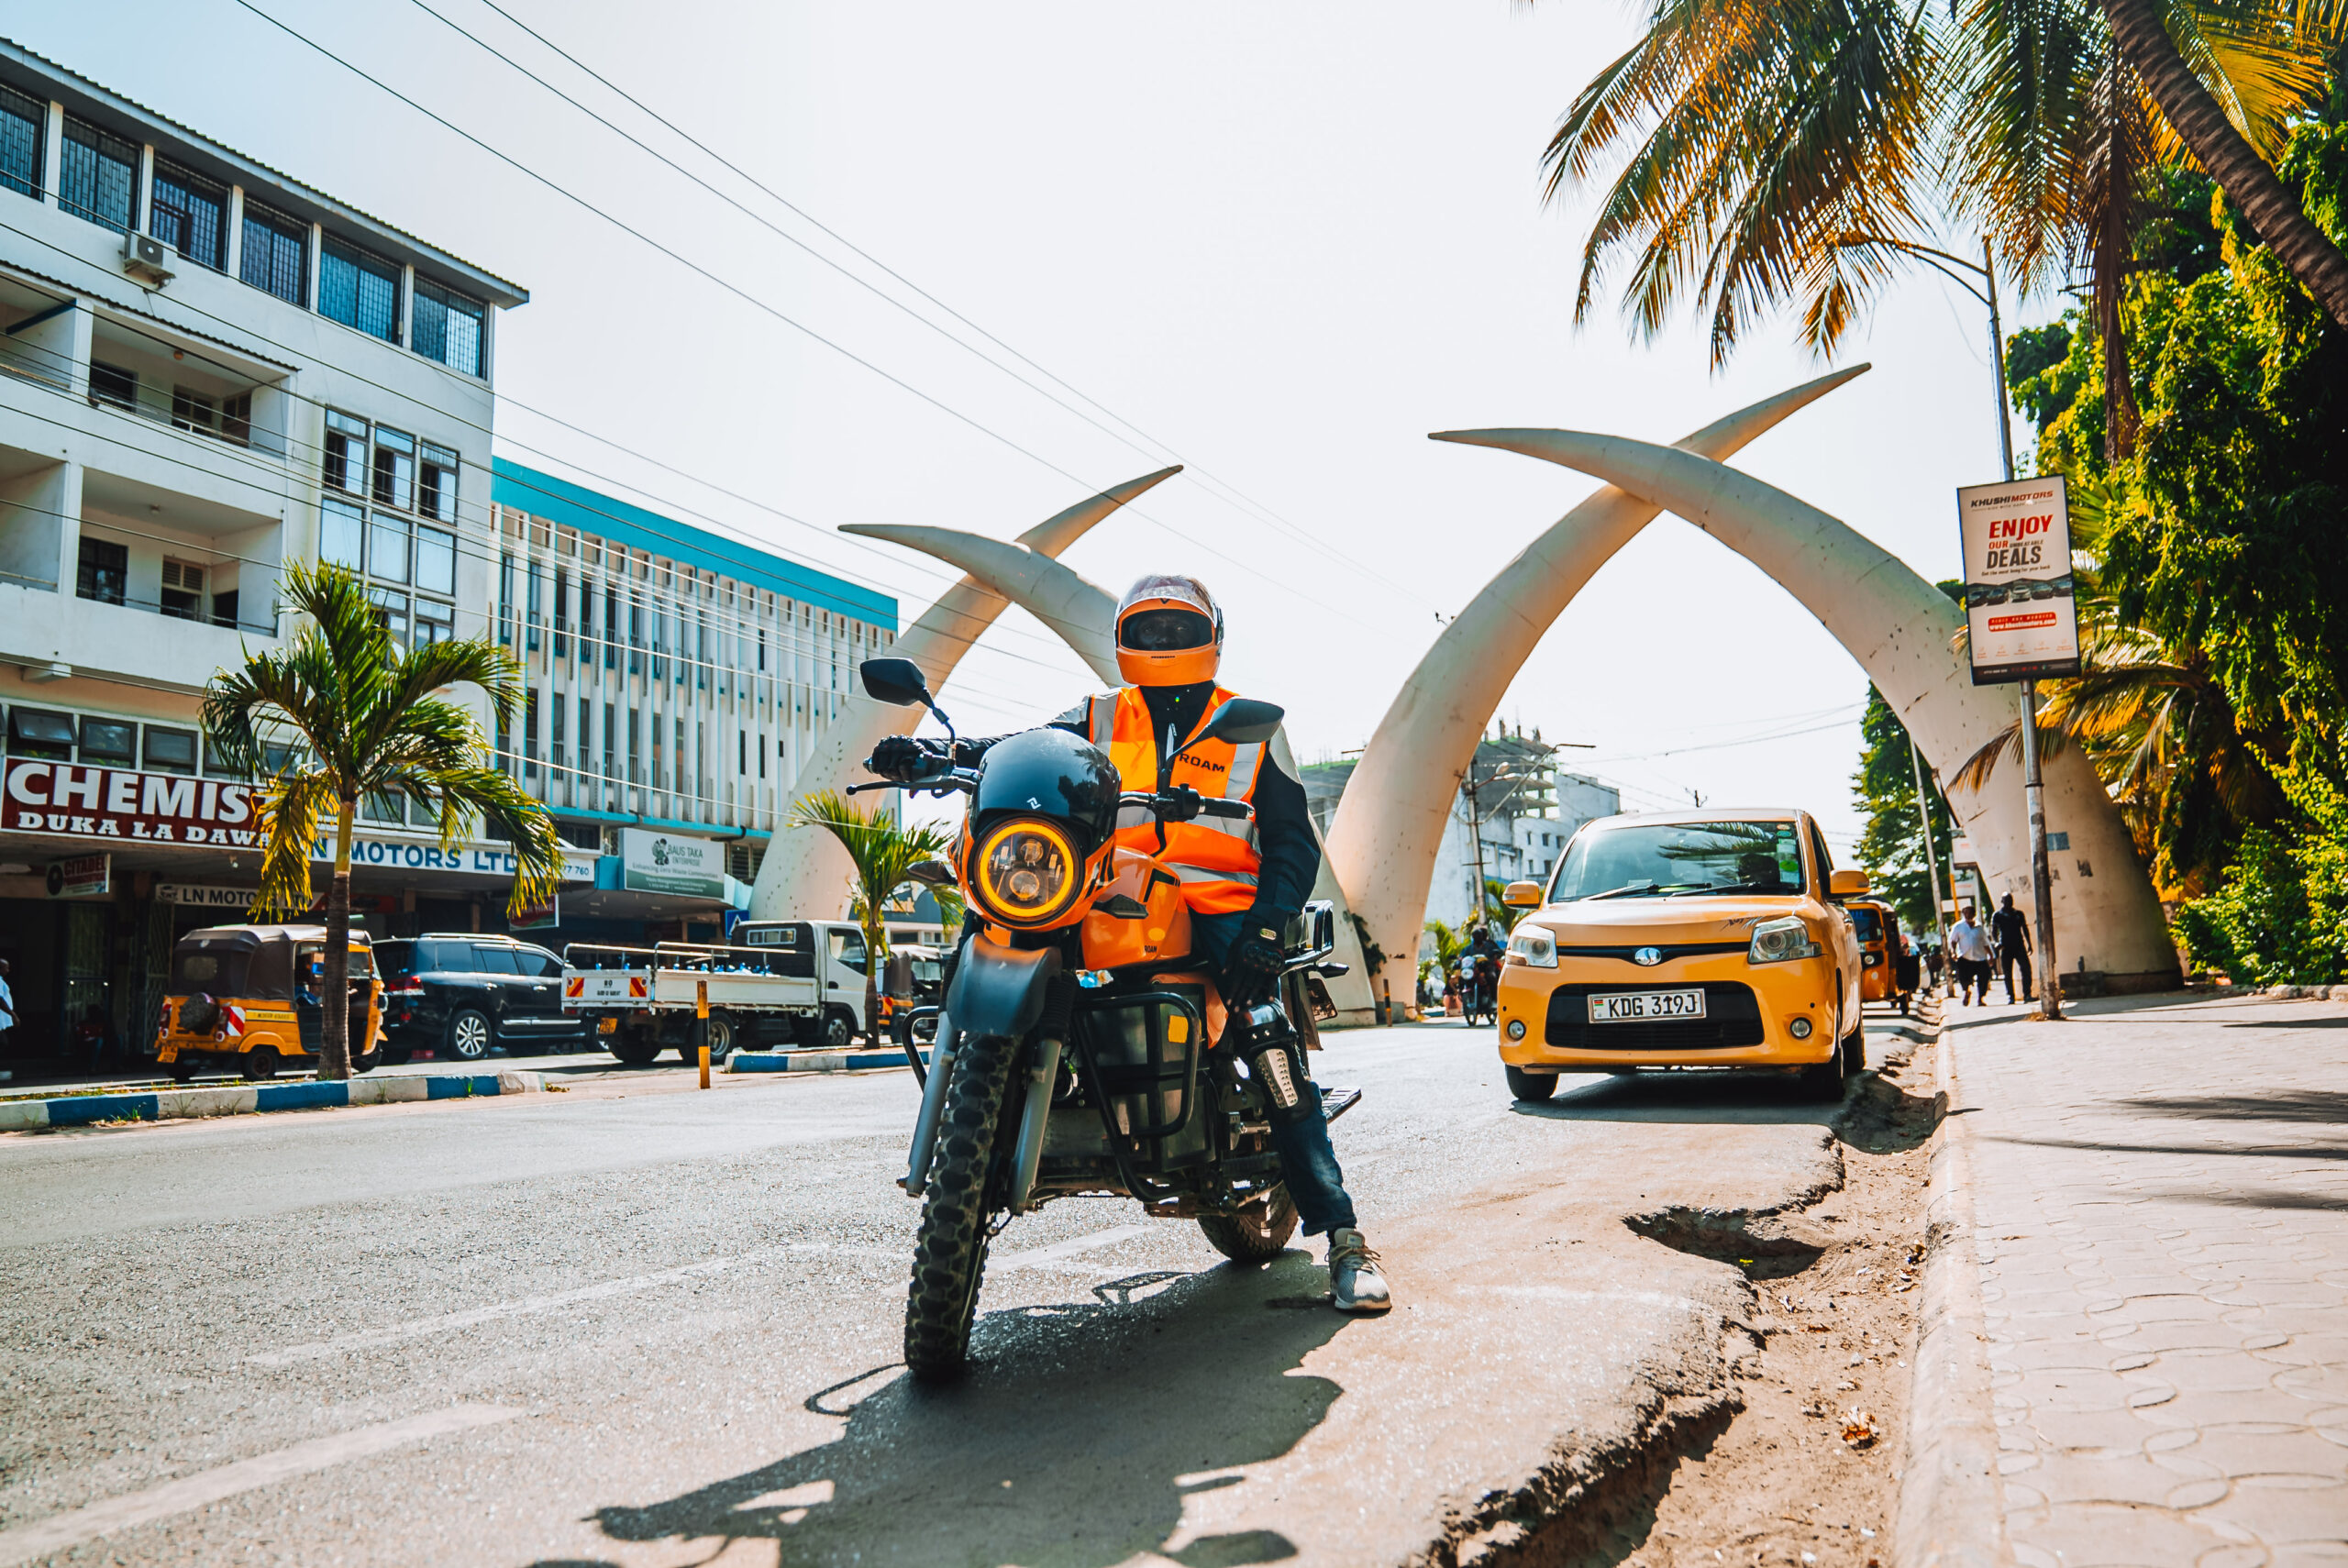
2021, 619
669, 863
110, 802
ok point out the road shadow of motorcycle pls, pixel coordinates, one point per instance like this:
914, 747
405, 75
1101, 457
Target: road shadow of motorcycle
1074, 1443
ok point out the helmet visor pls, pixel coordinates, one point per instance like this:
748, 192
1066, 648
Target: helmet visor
1164, 631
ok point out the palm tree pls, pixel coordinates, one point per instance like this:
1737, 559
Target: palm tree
885, 852
2156, 722
1768, 150
359, 716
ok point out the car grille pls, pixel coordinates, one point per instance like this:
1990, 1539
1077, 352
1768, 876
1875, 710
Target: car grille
1732, 1017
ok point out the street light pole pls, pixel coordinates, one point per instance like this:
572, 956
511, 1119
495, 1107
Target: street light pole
2049, 973
1931, 859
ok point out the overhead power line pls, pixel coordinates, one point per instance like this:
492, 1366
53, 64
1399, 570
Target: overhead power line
744, 294
1155, 448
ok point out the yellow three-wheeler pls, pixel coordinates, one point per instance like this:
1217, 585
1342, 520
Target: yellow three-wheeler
249, 995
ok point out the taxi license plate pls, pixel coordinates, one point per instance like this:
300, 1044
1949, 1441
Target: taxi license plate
1638, 1006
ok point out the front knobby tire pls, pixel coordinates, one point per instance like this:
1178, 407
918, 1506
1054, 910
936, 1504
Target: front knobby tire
950, 1253
1257, 1233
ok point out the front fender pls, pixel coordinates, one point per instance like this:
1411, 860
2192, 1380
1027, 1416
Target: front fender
998, 989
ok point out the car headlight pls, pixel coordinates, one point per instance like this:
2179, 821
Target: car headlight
1777, 940
1028, 872
1532, 945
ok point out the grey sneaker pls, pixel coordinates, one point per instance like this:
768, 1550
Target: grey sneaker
1354, 1284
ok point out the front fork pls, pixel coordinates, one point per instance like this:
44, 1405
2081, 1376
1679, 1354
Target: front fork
1035, 1114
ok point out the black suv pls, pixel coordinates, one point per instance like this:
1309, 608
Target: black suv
461, 994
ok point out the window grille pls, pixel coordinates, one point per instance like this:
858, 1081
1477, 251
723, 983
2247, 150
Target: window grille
190, 213
358, 289
276, 254
24, 129
98, 176
448, 327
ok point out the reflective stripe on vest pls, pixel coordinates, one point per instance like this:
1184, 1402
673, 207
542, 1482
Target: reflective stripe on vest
1217, 858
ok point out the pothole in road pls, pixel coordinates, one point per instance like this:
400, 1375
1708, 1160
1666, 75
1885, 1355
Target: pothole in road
1805, 1474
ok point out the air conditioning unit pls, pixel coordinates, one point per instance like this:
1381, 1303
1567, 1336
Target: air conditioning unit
144, 255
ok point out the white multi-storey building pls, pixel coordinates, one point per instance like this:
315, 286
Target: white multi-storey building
207, 369
678, 678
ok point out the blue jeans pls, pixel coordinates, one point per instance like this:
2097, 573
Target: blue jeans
1307, 1158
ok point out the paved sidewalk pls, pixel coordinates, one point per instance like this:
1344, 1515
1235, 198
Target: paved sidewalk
2160, 1190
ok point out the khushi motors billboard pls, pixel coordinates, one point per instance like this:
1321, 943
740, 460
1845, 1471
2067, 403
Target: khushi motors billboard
2024, 624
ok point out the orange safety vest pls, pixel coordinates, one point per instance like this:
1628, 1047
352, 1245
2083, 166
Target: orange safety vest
1218, 858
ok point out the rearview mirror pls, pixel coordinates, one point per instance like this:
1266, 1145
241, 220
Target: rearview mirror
931, 874
1846, 885
896, 680
1523, 895
1243, 720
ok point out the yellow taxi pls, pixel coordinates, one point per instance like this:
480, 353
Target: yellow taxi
1883, 977
1685, 939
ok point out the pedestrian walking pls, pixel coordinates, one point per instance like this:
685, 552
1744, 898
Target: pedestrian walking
8, 1008
2012, 932
1969, 943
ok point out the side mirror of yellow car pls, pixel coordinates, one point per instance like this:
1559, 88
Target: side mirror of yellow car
1523, 895
1846, 885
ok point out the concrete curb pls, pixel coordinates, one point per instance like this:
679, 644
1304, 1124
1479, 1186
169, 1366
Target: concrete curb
1952, 1512
172, 1105
815, 1061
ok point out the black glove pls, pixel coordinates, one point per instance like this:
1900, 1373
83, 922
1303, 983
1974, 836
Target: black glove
1253, 964
902, 758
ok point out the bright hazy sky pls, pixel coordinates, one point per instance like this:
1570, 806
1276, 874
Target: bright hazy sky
1284, 240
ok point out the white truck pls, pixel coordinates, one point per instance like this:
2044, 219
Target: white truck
777, 982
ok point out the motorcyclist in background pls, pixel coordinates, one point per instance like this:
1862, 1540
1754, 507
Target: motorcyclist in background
1241, 879
1483, 964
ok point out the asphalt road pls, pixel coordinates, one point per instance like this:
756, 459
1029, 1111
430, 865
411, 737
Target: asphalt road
631, 1324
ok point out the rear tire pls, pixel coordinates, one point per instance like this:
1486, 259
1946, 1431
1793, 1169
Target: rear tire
950, 1253
260, 1064
367, 1061
395, 1055
469, 1035
1534, 1087
1258, 1232
635, 1048
182, 1072
839, 1029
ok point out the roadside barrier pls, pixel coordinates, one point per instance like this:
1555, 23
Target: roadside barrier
169, 1105
815, 1061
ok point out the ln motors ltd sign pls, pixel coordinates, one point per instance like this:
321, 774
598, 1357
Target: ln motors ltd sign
115, 803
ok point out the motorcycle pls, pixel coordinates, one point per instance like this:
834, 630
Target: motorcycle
1081, 1047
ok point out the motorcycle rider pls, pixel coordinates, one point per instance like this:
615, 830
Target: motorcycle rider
1483, 964
1242, 880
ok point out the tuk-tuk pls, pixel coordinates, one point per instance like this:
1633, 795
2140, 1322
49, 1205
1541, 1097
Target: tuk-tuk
1888, 965
250, 995
915, 979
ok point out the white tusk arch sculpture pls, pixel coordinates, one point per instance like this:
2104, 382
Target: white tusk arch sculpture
805, 873
1900, 628
1085, 614
1387, 832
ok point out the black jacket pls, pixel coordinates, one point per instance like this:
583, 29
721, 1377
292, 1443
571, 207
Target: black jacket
1291, 855
2012, 931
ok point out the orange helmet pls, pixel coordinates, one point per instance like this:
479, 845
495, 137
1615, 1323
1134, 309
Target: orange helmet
1169, 633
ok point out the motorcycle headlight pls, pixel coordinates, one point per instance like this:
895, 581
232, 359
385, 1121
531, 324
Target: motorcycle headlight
1532, 945
1777, 940
1028, 872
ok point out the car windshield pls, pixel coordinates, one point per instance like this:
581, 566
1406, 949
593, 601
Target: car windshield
1868, 924
1657, 859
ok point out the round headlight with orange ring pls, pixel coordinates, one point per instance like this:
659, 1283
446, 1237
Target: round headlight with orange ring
1028, 872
